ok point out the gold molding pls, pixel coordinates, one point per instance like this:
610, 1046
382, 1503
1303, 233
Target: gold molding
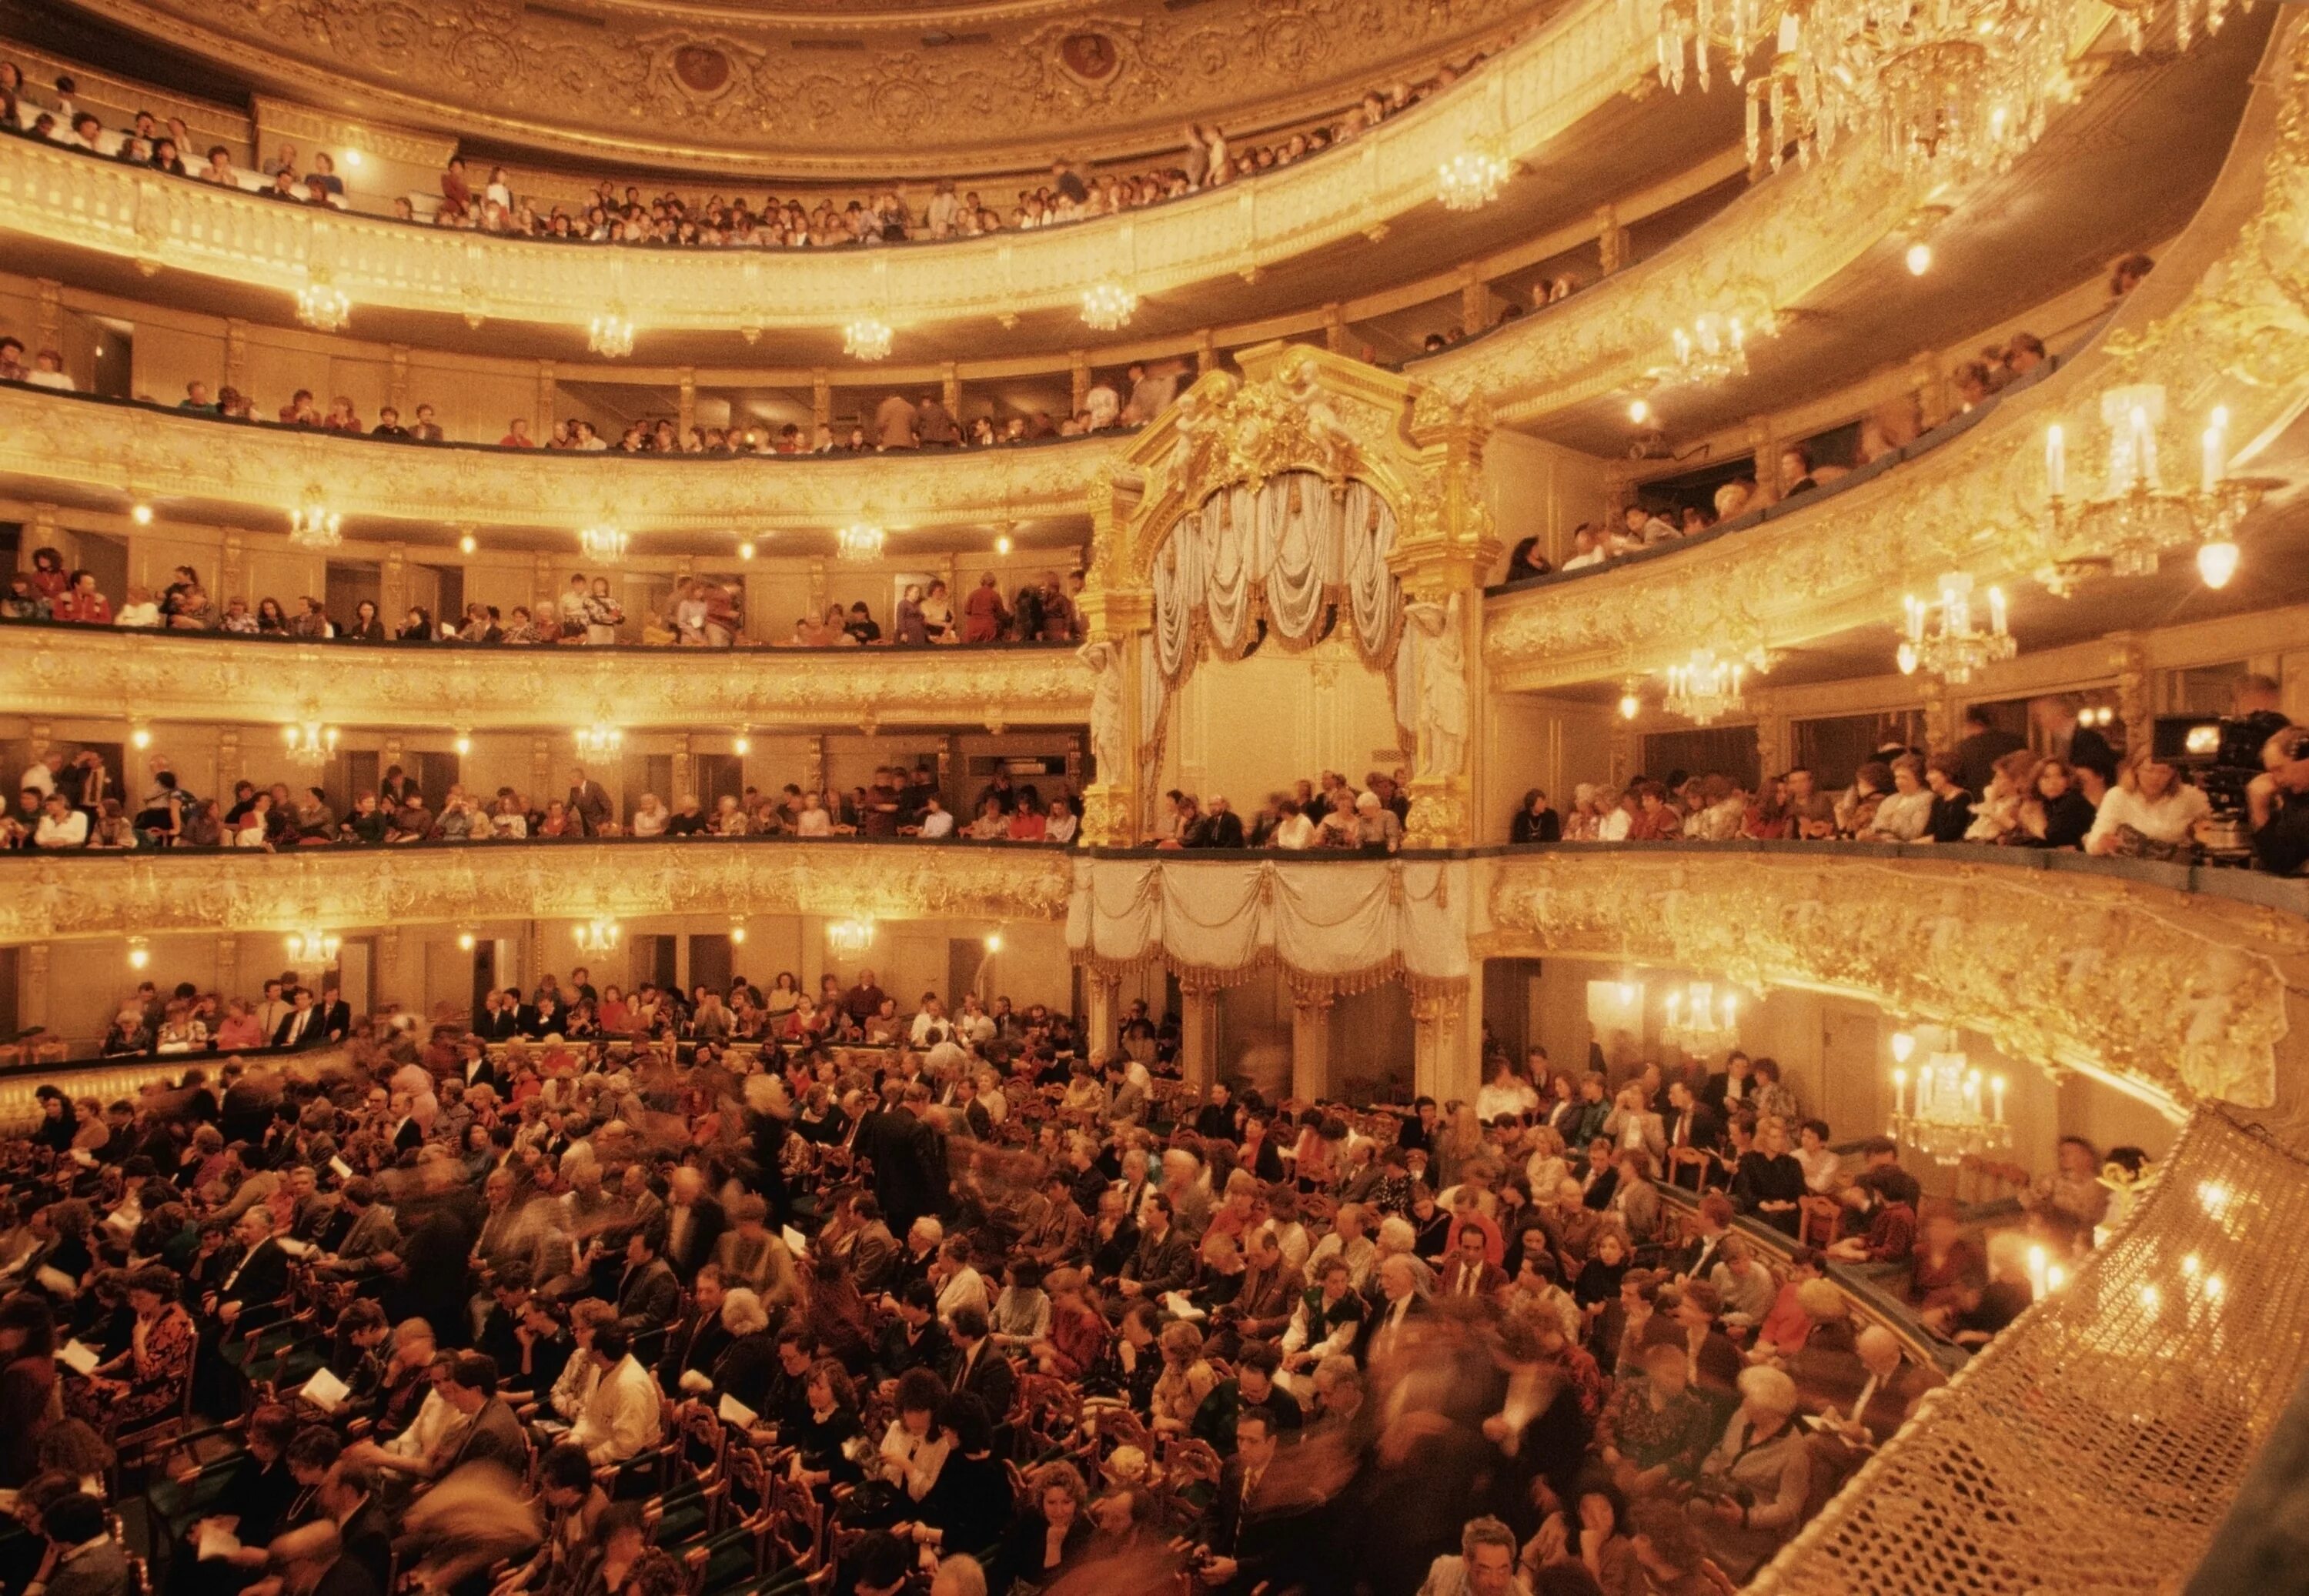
111, 675
159, 455
1520, 101
83, 895
2183, 997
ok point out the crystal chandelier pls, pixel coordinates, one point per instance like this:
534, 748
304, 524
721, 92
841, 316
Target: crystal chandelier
603, 545
611, 334
309, 741
1471, 179
1699, 1022
598, 935
1943, 639
867, 338
314, 525
1705, 688
1714, 348
2136, 518
313, 945
601, 737
321, 306
1107, 305
860, 541
1950, 1120
850, 937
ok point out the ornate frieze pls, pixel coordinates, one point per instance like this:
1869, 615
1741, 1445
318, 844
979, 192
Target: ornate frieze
70, 671
53, 896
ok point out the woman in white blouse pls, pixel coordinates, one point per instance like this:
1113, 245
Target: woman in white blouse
649, 818
1906, 811
2151, 799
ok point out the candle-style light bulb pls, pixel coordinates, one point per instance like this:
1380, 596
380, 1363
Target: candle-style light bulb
2056, 462
1996, 611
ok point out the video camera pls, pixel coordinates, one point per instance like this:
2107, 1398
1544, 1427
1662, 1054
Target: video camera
2222, 752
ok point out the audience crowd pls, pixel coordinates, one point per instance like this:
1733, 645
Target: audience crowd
700, 611
68, 802
540, 1296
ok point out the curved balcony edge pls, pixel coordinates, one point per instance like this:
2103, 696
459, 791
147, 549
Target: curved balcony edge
109, 674
1518, 101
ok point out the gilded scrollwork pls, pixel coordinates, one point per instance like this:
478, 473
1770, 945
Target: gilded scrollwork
2225, 321
109, 674
61, 438
2178, 994
98, 895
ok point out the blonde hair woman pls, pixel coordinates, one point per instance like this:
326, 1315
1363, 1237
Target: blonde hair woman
2150, 804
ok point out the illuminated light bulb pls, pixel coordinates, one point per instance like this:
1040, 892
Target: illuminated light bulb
1920, 259
737, 932
141, 514
139, 737
353, 157
1627, 992
1904, 1045
467, 544
1630, 705
1002, 544
466, 940
746, 549
464, 745
741, 745
994, 942
1640, 411
2218, 561
140, 952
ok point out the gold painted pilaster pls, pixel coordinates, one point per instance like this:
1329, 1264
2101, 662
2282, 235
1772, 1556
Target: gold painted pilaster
540, 769
1206, 351
1078, 371
1475, 300
228, 757
1199, 1039
1311, 1047
32, 1008
952, 394
228, 963
1335, 328
549, 400
1611, 239
821, 399
392, 582
686, 403
684, 767
49, 319
396, 382
2135, 703
236, 354
1100, 992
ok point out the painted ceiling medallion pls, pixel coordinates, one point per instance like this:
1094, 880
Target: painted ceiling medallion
701, 68
1090, 56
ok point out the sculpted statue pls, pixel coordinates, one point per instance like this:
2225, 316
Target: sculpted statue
1333, 443
1442, 667
1103, 660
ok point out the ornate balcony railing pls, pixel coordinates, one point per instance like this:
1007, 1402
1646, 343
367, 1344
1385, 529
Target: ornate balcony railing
147, 451
1518, 101
68, 670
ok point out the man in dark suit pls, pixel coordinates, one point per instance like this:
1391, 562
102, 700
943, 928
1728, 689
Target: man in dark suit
694, 1222
336, 1014
1729, 1088
1700, 1256
1164, 1259
980, 1367
492, 1432
648, 1294
1255, 1516
589, 801
1471, 1275
499, 1020
915, 1339
89, 1562
260, 1277
1694, 1131
475, 1067
300, 1027
348, 1496
699, 1339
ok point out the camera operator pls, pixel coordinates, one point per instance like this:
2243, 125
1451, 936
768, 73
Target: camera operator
2277, 804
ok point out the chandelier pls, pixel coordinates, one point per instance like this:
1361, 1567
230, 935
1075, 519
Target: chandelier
1705, 688
309, 742
321, 306
1107, 305
860, 541
603, 737
850, 937
611, 334
1944, 641
603, 545
313, 945
867, 338
1699, 1022
598, 935
2136, 518
1714, 348
314, 525
1950, 1120
1471, 179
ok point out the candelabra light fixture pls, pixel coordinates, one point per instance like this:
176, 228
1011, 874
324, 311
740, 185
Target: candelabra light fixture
2136, 518
611, 333
312, 524
1706, 688
1701, 1018
140, 952
313, 945
861, 540
1472, 178
603, 737
1957, 1112
850, 937
1714, 347
321, 306
598, 935
603, 545
867, 338
309, 741
1107, 306
1943, 637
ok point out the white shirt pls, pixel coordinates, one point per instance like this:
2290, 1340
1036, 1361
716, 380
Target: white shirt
620, 1415
434, 1417
2168, 819
1613, 828
50, 379
1295, 832
71, 831
39, 777
938, 823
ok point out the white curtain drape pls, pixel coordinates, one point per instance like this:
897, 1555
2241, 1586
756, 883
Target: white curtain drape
1287, 549
1349, 923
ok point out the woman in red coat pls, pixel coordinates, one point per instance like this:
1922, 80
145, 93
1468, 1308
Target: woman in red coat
983, 617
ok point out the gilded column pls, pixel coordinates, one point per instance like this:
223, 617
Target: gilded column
821, 399
1118, 615
547, 599
1310, 1045
1434, 1026
392, 582
1623, 750
1335, 328
42, 738
1767, 466
685, 777
1442, 556
2133, 703
1611, 239
817, 587
953, 394
386, 983
32, 988
549, 400
228, 963
232, 569
1100, 993
1475, 300
813, 765
396, 382
1199, 1029
228, 756
684, 414
236, 354
540, 768
392, 751
1206, 351
50, 320
1771, 734
1078, 366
